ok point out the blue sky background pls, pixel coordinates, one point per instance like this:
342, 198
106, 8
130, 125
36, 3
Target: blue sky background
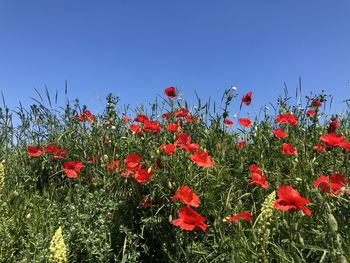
135, 49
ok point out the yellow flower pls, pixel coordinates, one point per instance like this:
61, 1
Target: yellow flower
58, 248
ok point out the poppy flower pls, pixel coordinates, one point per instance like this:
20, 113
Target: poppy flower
126, 119
287, 118
245, 122
320, 148
71, 169
310, 113
289, 199
333, 126
34, 151
132, 162
143, 176
181, 113
202, 159
331, 184
170, 92
183, 138
85, 116
186, 196
169, 149
146, 202
279, 133
173, 127
332, 139
111, 167
240, 144
316, 103
166, 115
258, 179
190, 220
152, 126
288, 149
191, 118
141, 118
254, 168
228, 122
192, 147
56, 151
244, 215
247, 99
135, 129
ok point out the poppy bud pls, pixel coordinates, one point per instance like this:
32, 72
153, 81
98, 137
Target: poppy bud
333, 224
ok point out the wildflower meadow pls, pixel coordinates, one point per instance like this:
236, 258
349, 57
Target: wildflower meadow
175, 182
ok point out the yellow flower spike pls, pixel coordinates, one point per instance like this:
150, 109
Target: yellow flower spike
58, 248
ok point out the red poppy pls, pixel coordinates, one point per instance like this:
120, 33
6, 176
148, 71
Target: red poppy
111, 167
290, 199
258, 179
56, 151
310, 113
141, 118
240, 144
247, 99
288, 149
126, 119
279, 133
190, 118
254, 168
71, 169
135, 129
186, 196
183, 138
170, 92
133, 162
331, 184
202, 159
143, 176
332, 139
192, 147
333, 126
173, 127
228, 122
146, 202
181, 113
34, 151
287, 118
152, 126
86, 116
169, 149
316, 103
190, 220
244, 215
320, 148
245, 122
166, 115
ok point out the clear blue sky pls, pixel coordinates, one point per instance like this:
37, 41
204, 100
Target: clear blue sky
135, 49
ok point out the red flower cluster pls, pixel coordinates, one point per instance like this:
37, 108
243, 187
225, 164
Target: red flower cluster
188, 218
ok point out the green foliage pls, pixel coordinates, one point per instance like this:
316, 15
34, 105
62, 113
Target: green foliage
100, 212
